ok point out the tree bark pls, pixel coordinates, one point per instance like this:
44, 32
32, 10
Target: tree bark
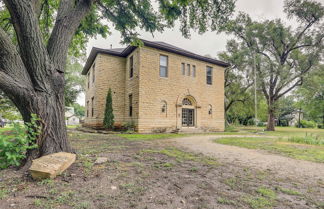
271, 117
50, 110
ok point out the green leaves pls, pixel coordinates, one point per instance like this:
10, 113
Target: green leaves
74, 83
14, 145
130, 16
109, 115
304, 10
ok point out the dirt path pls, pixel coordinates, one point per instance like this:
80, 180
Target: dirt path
252, 158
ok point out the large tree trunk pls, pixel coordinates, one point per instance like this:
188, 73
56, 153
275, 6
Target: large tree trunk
271, 117
49, 108
33, 75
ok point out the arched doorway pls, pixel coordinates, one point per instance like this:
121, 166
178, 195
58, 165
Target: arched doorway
188, 117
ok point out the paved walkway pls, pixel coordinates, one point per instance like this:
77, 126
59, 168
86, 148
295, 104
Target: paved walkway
252, 158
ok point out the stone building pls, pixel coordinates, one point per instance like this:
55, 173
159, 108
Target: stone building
158, 87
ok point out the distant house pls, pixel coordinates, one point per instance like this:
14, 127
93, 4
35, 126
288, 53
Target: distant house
295, 116
159, 87
70, 118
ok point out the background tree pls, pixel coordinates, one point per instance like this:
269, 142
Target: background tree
284, 55
36, 36
79, 110
311, 95
74, 82
7, 108
238, 77
109, 115
285, 110
242, 113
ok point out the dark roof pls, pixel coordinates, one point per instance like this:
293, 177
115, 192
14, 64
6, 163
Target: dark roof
124, 52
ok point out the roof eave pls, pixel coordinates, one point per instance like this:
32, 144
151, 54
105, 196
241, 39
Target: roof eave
129, 49
95, 51
185, 53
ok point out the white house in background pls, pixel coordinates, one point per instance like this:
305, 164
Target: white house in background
296, 115
70, 118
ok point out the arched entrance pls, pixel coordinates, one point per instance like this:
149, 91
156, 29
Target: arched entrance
188, 116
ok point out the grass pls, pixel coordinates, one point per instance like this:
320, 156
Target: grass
277, 146
310, 139
288, 191
148, 137
72, 126
225, 201
283, 131
181, 156
265, 198
3, 193
280, 132
266, 192
258, 202
7, 128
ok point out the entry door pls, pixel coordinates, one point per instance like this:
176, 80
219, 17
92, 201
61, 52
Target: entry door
188, 117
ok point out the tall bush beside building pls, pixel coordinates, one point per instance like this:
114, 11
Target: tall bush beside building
109, 115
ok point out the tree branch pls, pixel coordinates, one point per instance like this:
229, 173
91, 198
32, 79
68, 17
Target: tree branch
11, 64
299, 36
67, 22
32, 50
232, 102
299, 82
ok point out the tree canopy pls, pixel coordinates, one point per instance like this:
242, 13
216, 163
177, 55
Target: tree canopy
283, 54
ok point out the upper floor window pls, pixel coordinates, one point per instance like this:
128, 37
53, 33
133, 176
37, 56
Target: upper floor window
188, 69
130, 100
163, 66
209, 75
93, 72
131, 67
183, 68
194, 71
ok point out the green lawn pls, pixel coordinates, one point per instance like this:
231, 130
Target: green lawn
6, 128
72, 126
147, 137
281, 143
282, 131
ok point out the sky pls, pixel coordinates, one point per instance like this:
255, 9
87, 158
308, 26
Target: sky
209, 43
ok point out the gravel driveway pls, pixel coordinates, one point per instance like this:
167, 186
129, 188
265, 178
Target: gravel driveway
251, 158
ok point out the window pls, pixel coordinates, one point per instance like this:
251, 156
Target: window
93, 73
188, 69
92, 106
194, 71
183, 68
163, 66
186, 101
89, 79
131, 67
130, 99
209, 75
210, 110
164, 107
87, 109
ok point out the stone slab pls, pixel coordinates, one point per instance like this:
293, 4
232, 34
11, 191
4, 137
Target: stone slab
50, 166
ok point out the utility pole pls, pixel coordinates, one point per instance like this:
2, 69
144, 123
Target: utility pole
255, 93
